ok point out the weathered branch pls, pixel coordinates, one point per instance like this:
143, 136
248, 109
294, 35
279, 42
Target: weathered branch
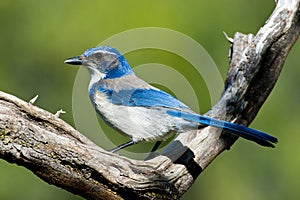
54, 151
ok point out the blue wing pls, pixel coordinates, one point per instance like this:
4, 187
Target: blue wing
144, 98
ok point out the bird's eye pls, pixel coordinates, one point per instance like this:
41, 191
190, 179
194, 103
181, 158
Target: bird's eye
98, 56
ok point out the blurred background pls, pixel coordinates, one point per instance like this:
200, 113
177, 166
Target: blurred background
37, 36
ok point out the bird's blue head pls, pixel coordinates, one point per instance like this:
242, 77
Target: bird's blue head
103, 61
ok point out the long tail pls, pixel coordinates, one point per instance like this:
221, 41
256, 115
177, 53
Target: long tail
238, 130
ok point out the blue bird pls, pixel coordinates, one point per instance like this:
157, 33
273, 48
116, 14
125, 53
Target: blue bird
141, 111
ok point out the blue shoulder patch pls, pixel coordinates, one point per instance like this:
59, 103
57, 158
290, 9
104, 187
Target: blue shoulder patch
144, 98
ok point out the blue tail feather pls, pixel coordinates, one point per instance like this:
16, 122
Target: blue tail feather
238, 130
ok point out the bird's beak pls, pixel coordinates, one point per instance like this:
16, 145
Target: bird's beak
74, 61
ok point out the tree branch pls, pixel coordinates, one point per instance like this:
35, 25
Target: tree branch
60, 155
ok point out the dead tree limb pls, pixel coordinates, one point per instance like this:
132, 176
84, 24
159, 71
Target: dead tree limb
58, 154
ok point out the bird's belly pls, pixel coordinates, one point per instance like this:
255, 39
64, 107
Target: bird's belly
140, 123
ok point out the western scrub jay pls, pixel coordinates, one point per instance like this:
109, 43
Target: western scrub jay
141, 111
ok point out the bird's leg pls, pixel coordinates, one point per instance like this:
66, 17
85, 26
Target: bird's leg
156, 145
122, 146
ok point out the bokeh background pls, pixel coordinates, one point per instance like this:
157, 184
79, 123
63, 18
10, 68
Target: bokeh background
37, 36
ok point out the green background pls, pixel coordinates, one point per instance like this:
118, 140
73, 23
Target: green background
37, 36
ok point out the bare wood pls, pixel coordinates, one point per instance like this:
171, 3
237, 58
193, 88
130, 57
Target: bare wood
54, 151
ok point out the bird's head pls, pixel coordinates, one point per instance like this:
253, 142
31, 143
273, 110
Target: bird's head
103, 61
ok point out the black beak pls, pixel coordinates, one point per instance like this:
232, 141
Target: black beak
74, 61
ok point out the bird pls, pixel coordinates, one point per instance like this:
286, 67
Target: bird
141, 111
